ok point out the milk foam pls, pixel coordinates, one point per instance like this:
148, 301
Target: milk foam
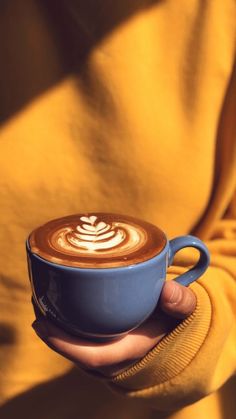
94, 235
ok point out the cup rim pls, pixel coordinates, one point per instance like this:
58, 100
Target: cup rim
97, 268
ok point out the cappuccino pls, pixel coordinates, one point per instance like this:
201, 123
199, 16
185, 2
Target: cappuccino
100, 275
97, 240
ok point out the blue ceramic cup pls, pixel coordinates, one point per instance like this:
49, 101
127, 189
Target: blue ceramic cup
105, 303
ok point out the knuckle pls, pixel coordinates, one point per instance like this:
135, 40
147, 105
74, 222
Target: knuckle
188, 303
183, 306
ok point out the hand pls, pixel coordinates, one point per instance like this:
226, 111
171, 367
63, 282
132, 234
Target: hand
176, 303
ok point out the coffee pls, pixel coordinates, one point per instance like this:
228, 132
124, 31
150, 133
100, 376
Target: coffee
100, 275
97, 240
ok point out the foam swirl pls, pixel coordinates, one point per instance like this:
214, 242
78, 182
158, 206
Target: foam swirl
92, 235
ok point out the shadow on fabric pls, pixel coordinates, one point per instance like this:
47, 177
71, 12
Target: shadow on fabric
42, 42
73, 395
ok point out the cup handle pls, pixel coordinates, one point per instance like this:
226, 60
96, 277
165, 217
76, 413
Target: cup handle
196, 271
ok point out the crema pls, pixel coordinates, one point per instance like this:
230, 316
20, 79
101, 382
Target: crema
97, 240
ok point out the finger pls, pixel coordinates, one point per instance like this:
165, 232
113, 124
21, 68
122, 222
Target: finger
92, 355
73, 348
177, 300
85, 353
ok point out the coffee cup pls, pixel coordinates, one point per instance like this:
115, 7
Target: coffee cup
100, 275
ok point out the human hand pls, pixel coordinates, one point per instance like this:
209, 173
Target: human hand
176, 303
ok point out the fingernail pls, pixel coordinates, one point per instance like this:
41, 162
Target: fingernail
40, 328
176, 295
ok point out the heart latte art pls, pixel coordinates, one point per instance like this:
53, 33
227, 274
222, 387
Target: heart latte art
98, 236
97, 240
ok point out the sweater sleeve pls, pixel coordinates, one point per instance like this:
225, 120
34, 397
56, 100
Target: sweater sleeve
198, 356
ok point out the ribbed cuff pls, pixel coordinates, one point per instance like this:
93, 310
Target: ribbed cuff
173, 354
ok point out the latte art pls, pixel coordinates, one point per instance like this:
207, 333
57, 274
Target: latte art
89, 240
94, 237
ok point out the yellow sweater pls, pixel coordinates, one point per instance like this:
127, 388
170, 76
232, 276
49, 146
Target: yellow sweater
129, 107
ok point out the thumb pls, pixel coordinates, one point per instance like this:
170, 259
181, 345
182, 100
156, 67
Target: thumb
176, 300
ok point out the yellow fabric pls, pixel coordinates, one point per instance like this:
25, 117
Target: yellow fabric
127, 107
